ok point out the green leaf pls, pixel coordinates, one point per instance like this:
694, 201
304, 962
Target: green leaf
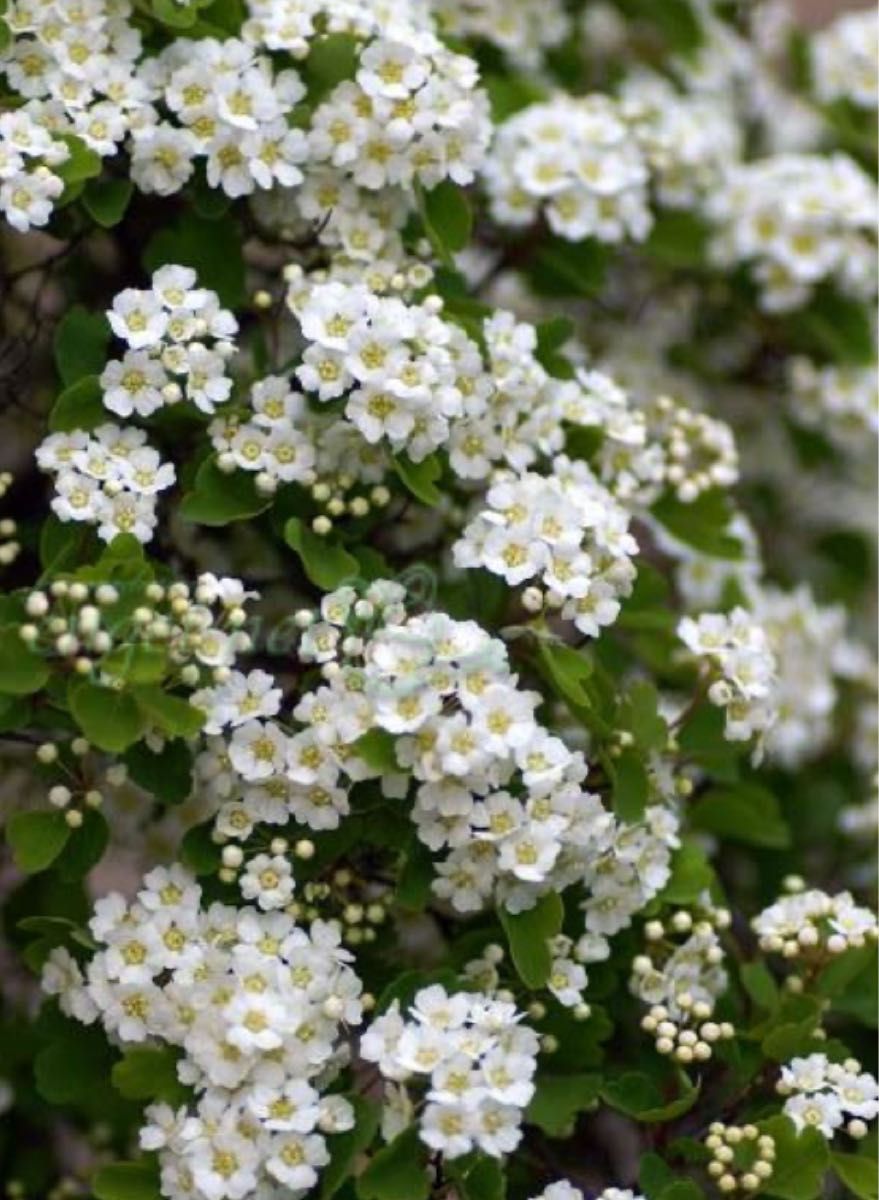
106, 200
36, 838
800, 1161
477, 1177
448, 220
563, 268
327, 564
198, 851
136, 662
691, 875
85, 847
678, 240
81, 162
331, 60
80, 344
22, 671
551, 336
639, 1096
639, 713
80, 406
702, 523
166, 774
758, 982
397, 1172
838, 326
174, 15
858, 1173
420, 478
528, 934
219, 498
744, 813
126, 1181
211, 247
109, 719
148, 1073
654, 1176
415, 877
345, 1147
170, 714
72, 1066
376, 748
567, 669
701, 738
558, 1099
631, 788
682, 1189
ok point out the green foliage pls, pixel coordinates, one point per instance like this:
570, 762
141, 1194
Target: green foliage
22, 670
559, 1099
126, 1181
80, 344
346, 1147
859, 1173
397, 1172
800, 1160
148, 1073
447, 219
420, 478
528, 933
218, 498
36, 838
211, 247
702, 523
746, 812
110, 719
325, 562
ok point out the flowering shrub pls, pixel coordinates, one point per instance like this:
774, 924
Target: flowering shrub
437, 703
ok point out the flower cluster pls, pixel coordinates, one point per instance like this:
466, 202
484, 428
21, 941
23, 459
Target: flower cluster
254, 1003
277, 441
741, 1157
179, 340
799, 219
566, 533
412, 115
399, 365
578, 161
689, 140
110, 478
811, 924
494, 789
474, 1055
838, 400
821, 1094
523, 32
224, 103
741, 668
682, 981
660, 446
566, 1191
809, 645
191, 633
28, 185
845, 60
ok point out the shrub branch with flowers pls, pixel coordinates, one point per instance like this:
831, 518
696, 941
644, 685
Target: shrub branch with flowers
437, 702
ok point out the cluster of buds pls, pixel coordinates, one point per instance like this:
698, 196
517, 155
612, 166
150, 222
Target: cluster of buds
699, 451
81, 623
75, 791
9, 547
808, 924
342, 495
684, 1042
741, 1157
681, 980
